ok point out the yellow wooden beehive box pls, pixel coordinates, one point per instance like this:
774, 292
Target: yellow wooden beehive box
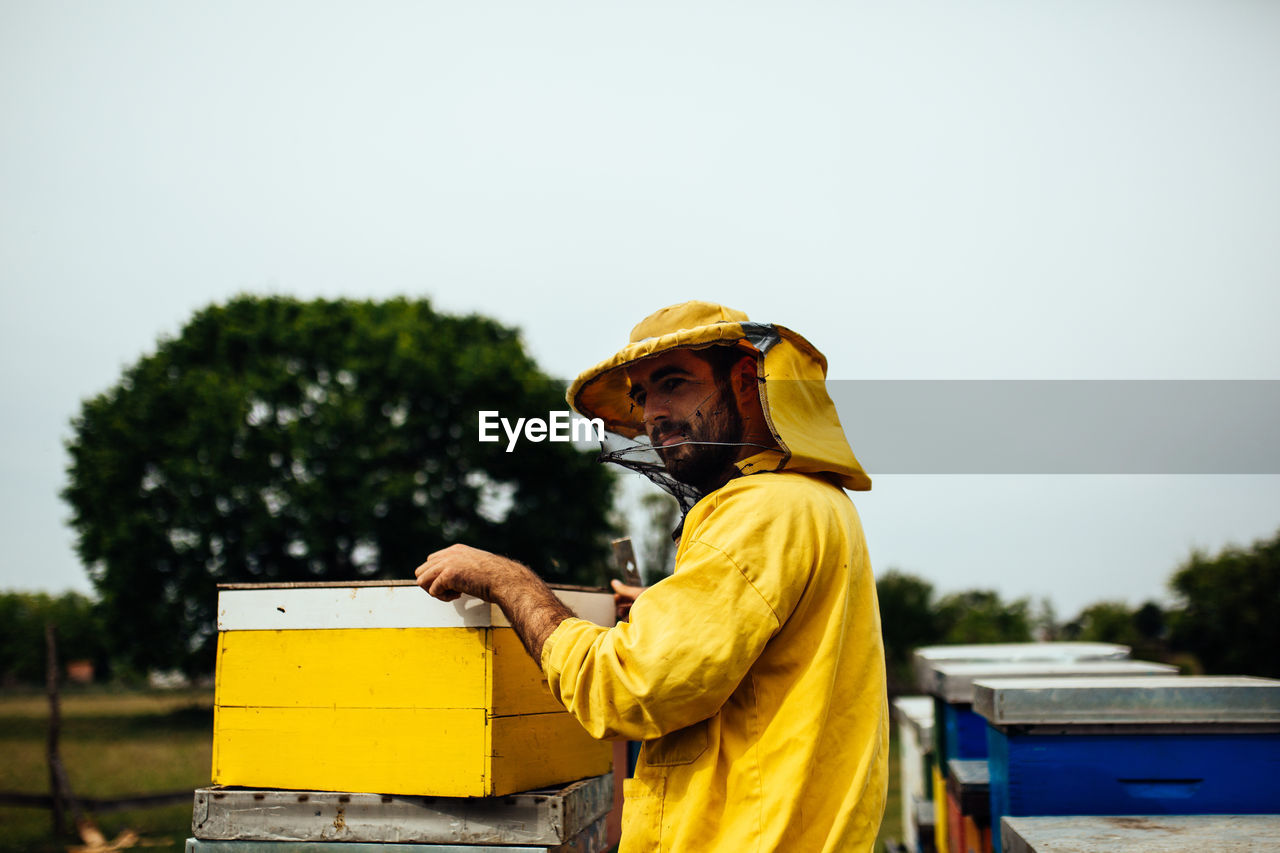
381, 688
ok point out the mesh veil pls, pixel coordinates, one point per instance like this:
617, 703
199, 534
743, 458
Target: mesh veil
639, 455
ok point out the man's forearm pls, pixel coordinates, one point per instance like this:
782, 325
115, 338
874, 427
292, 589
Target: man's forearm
530, 605
533, 610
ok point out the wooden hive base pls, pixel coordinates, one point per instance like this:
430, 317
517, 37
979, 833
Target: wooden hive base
540, 820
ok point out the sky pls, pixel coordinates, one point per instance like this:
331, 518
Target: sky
925, 190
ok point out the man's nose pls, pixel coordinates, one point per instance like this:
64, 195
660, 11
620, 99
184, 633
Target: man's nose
655, 412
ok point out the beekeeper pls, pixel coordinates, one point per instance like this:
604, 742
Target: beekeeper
754, 675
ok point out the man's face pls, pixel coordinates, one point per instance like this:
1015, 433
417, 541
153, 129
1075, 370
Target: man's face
691, 418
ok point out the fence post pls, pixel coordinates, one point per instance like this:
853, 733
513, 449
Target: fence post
55, 723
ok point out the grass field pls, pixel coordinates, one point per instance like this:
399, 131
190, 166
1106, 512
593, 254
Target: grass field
891, 828
119, 744
112, 745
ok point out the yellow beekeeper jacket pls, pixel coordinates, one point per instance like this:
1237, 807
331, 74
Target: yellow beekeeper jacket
755, 673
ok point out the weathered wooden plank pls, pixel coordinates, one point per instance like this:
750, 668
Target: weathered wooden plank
590, 840
1142, 834
548, 816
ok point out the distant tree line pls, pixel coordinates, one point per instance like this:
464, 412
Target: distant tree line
280, 440
81, 634
1224, 619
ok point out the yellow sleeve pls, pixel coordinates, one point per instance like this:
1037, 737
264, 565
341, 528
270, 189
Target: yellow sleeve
690, 640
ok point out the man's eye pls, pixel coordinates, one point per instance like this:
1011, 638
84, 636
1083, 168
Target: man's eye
638, 398
670, 385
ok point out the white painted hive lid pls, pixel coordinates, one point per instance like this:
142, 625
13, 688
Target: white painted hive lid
953, 682
926, 657
397, 604
917, 712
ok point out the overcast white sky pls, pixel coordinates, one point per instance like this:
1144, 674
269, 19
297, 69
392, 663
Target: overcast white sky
929, 190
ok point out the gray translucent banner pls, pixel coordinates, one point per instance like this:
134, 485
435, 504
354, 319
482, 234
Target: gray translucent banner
1062, 426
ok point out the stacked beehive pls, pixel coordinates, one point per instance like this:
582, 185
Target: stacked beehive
1025, 732
915, 767
964, 765
379, 689
1144, 749
959, 735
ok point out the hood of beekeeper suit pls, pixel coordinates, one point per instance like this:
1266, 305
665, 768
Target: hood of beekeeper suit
793, 393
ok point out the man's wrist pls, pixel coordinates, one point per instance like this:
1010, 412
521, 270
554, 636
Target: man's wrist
533, 610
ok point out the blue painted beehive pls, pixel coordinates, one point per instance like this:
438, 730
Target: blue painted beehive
959, 736
951, 729
1132, 746
966, 731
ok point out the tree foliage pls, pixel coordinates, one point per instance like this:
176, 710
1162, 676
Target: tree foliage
282, 440
907, 619
910, 617
1144, 630
23, 616
980, 616
1225, 620
1229, 608
1104, 622
907, 614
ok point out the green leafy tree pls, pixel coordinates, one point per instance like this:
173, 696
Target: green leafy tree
907, 620
1105, 622
282, 440
1228, 607
1143, 630
23, 616
979, 616
1151, 623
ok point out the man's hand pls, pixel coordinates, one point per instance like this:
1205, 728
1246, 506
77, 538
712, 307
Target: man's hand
529, 604
623, 597
457, 569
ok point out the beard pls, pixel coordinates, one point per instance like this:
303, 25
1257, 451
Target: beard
710, 443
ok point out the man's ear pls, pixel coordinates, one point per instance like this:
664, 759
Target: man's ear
744, 376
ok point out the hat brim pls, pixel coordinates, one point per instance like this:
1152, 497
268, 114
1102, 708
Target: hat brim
604, 390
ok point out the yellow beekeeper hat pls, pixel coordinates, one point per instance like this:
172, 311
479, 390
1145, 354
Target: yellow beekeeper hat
794, 396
